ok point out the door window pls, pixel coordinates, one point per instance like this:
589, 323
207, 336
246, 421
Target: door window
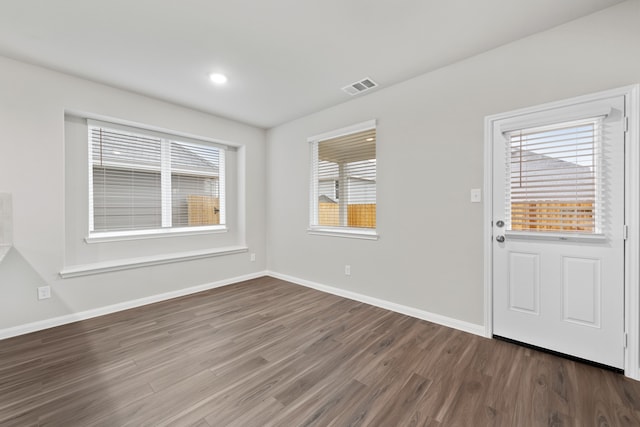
553, 178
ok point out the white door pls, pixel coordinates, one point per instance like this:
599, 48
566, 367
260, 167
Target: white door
558, 229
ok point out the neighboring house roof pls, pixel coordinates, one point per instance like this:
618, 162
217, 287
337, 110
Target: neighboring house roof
537, 165
325, 199
184, 158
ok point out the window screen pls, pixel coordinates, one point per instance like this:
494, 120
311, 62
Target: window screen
553, 178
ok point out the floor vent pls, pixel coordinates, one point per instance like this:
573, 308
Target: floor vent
360, 86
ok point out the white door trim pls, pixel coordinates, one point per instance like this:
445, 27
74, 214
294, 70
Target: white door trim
632, 215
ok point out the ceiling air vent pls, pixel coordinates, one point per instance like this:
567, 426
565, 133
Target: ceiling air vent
360, 86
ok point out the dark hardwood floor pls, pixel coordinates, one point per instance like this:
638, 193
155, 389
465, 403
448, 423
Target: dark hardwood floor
270, 353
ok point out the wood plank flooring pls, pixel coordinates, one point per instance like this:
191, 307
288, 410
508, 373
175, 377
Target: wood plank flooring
269, 353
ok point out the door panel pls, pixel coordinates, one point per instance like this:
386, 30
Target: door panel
558, 276
581, 291
524, 282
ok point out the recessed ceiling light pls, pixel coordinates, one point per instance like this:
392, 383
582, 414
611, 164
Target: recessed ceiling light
218, 78
369, 139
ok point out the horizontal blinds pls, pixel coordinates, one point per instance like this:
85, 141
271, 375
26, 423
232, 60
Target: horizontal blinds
345, 169
195, 185
126, 174
159, 134
124, 149
195, 159
141, 182
126, 199
553, 177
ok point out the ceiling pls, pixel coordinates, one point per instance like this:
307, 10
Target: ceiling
353, 147
284, 58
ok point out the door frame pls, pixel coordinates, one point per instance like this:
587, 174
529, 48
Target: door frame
631, 213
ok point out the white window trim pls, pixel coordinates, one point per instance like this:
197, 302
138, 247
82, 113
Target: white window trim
222, 183
165, 186
348, 232
358, 127
165, 170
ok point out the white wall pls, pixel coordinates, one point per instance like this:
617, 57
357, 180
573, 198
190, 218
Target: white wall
430, 154
49, 218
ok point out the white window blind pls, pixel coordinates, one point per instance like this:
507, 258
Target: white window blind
344, 181
142, 181
197, 185
554, 178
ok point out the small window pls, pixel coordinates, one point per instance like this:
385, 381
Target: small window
343, 169
145, 182
553, 178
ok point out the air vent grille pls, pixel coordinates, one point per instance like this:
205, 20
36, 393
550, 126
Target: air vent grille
360, 86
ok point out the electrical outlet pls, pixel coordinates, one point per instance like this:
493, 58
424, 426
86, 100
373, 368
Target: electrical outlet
44, 292
253, 257
347, 270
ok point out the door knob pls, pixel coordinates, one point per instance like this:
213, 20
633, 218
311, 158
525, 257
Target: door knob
500, 239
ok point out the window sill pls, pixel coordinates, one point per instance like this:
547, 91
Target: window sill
568, 237
129, 263
351, 233
152, 234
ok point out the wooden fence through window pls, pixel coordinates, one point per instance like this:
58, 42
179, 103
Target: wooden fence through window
360, 215
203, 210
553, 216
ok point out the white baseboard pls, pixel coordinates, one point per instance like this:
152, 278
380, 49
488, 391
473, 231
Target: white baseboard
471, 328
101, 311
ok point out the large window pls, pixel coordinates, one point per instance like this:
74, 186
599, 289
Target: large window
143, 182
343, 180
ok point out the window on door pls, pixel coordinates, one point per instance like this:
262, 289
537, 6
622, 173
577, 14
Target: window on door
553, 178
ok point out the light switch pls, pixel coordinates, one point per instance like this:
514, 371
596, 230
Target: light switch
476, 195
